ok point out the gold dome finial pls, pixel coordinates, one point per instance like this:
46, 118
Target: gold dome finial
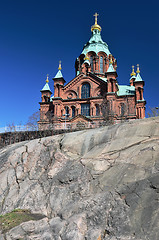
59, 68
138, 71
111, 59
133, 73
96, 26
47, 79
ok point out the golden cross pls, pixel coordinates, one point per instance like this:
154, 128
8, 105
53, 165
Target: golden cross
47, 80
138, 71
96, 15
59, 65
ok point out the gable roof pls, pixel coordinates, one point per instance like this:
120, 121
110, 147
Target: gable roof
89, 76
81, 117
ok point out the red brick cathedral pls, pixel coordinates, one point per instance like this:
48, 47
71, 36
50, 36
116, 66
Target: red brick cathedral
94, 95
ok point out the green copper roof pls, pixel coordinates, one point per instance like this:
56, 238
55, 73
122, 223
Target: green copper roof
46, 87
96, 44
111, 68
126, 90
103, 78
138, 78
59, 74
51, 99
132, 77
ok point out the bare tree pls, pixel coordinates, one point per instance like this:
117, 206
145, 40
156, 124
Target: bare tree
32, 123
11, 127
153, 112
107, 112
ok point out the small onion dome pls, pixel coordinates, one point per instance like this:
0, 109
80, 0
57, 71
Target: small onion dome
133, 73
96, 26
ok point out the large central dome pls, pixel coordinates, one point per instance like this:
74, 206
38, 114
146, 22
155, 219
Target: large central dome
96, 44
95, 56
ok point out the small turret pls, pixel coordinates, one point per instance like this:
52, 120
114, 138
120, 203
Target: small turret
58, 82
138, 77
140, 101
111, 77
46, 92
111, 68
86, 66
139, 83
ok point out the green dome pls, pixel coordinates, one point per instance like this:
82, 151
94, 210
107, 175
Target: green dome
95, 44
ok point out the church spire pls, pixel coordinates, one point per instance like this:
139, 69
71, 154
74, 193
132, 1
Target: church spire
59, 73
46, 87
138, 77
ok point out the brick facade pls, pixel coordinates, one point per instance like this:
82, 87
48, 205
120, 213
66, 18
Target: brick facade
94, 95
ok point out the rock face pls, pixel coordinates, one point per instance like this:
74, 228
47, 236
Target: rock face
91, 185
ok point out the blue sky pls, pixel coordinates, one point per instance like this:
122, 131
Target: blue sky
35, 35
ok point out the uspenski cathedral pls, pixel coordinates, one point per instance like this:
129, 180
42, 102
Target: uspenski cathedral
94, 95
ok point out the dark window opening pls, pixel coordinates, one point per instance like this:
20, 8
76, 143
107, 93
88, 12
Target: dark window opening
112, 86
140, 93
122, 109
73, 111
85, 91
101, 64
97, 110
91, 62
66, 111
85, 109
46, 98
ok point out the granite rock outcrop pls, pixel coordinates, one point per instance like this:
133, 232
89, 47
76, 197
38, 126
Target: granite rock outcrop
89, 185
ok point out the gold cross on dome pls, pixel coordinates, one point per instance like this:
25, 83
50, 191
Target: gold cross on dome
96, 15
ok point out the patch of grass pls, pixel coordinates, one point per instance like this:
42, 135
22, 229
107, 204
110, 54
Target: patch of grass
16, 217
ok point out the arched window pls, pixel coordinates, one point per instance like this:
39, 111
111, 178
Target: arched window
85, 91
97, 110
112, 86
73, 111
101, 64
91, 62
122, 109
66, 111
140, 93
